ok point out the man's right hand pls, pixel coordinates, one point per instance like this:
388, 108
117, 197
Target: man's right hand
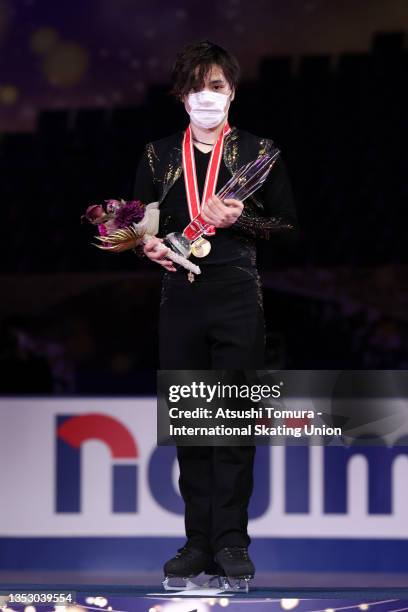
153, 251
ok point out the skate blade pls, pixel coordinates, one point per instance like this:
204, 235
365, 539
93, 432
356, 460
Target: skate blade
215, 582
236, 584
187, 584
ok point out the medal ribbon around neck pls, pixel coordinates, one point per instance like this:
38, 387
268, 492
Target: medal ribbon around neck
198, 226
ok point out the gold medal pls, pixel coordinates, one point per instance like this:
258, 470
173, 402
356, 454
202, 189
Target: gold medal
201, 247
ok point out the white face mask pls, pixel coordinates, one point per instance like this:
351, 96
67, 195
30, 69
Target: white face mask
208, 108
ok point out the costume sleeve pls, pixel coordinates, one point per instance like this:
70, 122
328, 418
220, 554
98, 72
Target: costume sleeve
144, 187
278, 216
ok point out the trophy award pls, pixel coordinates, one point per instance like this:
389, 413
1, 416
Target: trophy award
243, 184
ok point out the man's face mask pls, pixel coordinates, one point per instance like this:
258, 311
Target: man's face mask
208, 108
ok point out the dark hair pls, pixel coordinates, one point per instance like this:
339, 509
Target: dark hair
202, 54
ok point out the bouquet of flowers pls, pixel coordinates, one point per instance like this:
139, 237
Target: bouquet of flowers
125, 225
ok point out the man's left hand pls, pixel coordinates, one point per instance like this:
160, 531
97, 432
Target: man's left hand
221, 213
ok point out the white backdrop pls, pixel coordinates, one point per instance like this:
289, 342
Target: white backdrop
28, 479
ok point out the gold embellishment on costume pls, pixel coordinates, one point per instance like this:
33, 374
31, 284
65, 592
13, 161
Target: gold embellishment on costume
247, 248
151, 156
265, 145
261, 227
230, 153
258, 283
172, 174
259, 292
172, 171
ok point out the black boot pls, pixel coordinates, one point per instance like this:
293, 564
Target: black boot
213, 569
235, 562
187, 563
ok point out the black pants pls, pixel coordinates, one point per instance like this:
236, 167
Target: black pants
216, 322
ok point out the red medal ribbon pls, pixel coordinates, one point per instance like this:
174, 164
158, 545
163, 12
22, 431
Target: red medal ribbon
198, 226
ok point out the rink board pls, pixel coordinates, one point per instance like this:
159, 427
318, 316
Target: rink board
103, 494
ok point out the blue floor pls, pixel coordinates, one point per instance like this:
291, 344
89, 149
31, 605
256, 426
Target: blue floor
84, 590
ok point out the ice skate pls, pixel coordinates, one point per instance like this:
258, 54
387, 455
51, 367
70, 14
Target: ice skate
186, 565
217, 576
237, 567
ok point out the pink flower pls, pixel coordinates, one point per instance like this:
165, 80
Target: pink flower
104, 231
94, 213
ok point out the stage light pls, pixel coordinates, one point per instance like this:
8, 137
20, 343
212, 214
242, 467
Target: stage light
100, 601
44, 40
224, 602
363, 606
8, 94
289, 604
66, 65
181, 606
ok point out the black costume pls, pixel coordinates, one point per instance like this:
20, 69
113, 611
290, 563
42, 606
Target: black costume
217, 321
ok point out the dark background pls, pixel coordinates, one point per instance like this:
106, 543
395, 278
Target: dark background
83, 87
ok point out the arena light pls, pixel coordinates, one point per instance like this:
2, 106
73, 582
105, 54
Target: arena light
289, 604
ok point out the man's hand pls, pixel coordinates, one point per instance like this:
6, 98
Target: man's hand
153, 251
221, 213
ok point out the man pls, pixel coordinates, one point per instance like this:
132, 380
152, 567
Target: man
215, 322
